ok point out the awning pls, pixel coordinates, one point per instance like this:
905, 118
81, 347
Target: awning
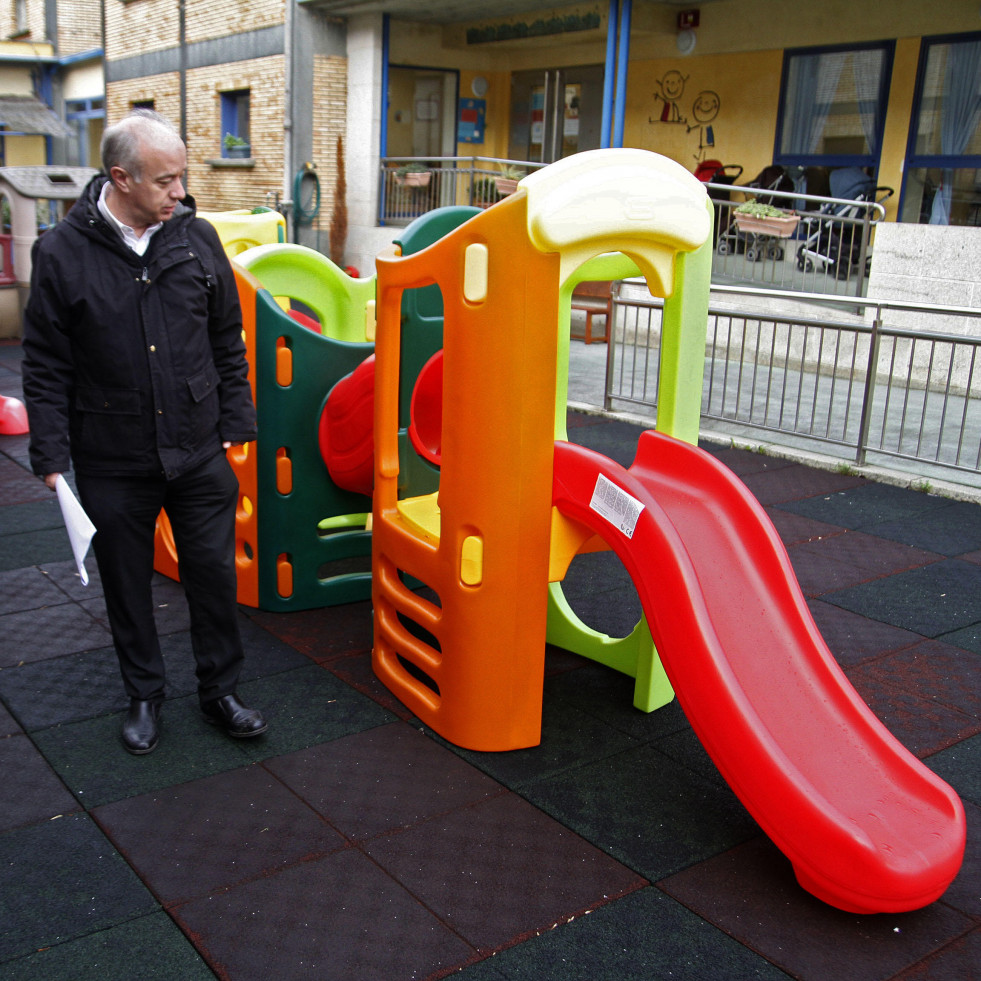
27, 115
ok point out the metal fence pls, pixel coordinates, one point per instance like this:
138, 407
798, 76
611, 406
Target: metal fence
824, 246
888, 381
411, 186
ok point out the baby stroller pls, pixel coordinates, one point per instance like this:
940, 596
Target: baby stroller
716, 172
834, 237
733, 241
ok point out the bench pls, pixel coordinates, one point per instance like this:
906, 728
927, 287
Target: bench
594, 298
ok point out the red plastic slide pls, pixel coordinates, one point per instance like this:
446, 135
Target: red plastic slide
868, 828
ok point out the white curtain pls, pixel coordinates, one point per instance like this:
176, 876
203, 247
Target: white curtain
812, 86
960, 115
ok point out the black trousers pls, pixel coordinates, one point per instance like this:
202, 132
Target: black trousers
201, 506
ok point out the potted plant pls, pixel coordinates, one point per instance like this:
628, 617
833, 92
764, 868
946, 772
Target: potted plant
765, 219
413, 175
484, 192
507, 183
236, 147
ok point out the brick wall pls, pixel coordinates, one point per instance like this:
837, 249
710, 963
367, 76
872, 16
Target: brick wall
207, 19
140, 27
329, 121
219, 188
79, 26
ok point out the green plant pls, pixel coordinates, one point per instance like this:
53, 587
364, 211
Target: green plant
510, 172
232, 141
411, 168
484, 190
755, 209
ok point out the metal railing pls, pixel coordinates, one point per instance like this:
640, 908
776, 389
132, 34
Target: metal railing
872, 381
826, 250
411, 186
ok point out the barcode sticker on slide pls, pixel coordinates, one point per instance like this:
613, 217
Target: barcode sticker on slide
616, 505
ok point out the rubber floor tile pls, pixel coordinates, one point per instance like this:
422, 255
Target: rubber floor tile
752, 895
325, 634
952, 529
795, 481
30, 790
964, 893
934, 670
614, 438
151, 948
640, 937
864, 507
960, 766
608, 695
744, 462
356, 671
852, 558
8, 724
501, 870
65, 576
600, 592
382, 780
20, 486
794, 529
931, 600
28, 589
853, 638
968, 638
199, 837
333, 919
305, 707
921, 723
570, 739
34, 548
674, 817
60, 880
90, 758
957, 962
50, 632
265, 653
64, 689
42, 515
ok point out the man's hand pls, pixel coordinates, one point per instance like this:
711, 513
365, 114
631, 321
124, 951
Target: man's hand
50, 479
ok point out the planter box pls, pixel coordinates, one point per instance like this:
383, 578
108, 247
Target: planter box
782, 227
238, 152
506, 185
420, 179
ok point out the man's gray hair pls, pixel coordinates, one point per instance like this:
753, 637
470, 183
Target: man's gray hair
123, 142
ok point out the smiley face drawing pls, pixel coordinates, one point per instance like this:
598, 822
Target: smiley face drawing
672, 87
704, 110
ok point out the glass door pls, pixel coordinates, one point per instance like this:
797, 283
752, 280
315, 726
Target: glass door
555, 113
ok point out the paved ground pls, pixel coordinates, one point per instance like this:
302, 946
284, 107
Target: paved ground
351, 843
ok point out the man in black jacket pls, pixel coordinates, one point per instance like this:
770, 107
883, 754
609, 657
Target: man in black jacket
135, 372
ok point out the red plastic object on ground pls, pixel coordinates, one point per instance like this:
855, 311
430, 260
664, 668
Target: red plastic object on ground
867, 827
13, 416
346, 431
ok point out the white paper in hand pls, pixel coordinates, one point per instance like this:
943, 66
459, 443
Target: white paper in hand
78, 523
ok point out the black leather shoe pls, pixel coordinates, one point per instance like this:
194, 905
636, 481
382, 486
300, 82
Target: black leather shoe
234, 717
141, 729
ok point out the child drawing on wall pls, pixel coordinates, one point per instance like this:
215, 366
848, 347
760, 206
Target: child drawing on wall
704, 110
672, 87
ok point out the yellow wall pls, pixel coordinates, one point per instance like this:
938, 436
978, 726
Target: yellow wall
738, 56
747, 86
